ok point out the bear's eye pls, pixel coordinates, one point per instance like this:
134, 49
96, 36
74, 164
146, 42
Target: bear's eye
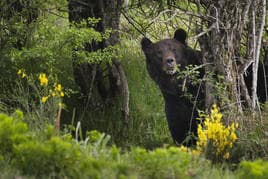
159, 52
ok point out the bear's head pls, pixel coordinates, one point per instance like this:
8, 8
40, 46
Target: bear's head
163, 57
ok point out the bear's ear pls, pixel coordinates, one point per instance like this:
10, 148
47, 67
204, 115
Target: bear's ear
180, 35
145, 43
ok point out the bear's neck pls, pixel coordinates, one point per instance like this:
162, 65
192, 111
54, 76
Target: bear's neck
170, 85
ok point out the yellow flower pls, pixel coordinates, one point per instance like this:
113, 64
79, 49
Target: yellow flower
61, 94
233, 136
43, 79
58, 87
44, 99
23, 75
60, 104
21, 72
226, 155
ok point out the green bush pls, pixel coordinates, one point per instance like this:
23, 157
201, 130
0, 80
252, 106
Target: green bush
51, 156
161, 162
47, 155
253, 170
13, 131
57, 157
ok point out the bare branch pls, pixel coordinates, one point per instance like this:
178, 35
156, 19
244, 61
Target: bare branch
203, 33
132, 23
256, 51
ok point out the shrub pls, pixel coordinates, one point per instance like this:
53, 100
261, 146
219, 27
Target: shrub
12, 132
48, 157
54, 156
215, 139
253, 170
161, 162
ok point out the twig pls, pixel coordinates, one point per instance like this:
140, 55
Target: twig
57, 122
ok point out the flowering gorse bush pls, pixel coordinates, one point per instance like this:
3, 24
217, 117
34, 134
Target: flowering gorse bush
214, 138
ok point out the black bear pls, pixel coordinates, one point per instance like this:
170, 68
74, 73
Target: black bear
163, 60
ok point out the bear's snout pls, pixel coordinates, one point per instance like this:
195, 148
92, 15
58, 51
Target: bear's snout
170, 61
169, 64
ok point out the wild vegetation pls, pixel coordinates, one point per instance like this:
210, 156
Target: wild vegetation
51, 128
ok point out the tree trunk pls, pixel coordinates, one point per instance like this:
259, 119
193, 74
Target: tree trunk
108, 79
225, 46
